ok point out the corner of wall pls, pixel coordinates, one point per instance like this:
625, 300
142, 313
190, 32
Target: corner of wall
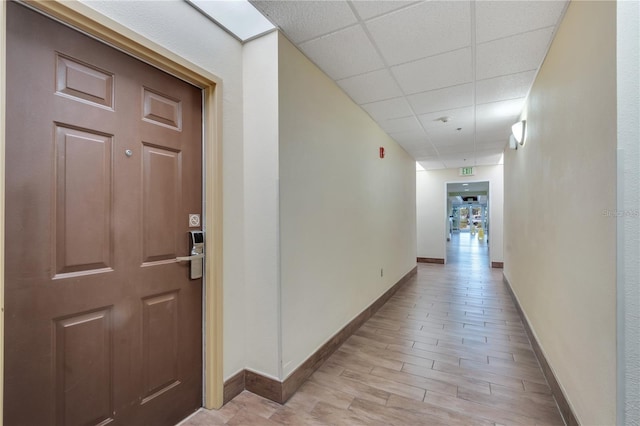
261, 205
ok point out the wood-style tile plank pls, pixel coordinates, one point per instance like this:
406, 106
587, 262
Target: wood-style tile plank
421, 382
392, 415
291, 416
449, 378
385, 385
450, 417
516, 403
426, 354
329, 416
355, 388
448, 348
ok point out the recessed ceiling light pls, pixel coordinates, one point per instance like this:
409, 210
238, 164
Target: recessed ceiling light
465, 184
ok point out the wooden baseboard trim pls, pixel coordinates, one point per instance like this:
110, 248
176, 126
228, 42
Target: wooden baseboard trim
497, 265
568, 415
437, 260
280, 392
306, 369
264, 386
233, 386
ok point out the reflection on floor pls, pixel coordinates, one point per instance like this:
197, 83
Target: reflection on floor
465, 248
447, 349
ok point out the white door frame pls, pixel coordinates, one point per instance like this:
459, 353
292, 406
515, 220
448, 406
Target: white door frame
91, 22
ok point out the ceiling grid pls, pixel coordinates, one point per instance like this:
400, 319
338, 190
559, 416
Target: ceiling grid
424, 69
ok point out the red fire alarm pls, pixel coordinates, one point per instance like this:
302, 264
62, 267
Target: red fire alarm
382, 152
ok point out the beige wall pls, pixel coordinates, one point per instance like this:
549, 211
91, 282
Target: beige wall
261, 233
560, 244
345, 214
431, 190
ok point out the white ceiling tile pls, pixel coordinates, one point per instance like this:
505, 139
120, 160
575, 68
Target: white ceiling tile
410, 124
368, 9
503, 88
463, 159
456, 163
497, 112
498, 19
431, 164
409, 137
522, 52
305, 20
448, 137
388, 109
455, 149
442, 99
496, 144
459, 117
489, 157
419, 145
491, 160
343, 53
370, 87
420, 152
436, 72
426, 29
451, 139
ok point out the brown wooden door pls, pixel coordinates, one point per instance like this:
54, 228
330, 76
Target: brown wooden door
103, 153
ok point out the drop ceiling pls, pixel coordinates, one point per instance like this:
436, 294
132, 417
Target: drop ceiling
445, 79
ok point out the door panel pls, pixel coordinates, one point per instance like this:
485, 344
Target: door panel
161, 187
160, 336
83, 199
83, 82
162, 110
84, 347
102, 325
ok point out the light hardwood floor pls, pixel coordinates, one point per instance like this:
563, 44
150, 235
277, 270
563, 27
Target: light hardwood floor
447, 349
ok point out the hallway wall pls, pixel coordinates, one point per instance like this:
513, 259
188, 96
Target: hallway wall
560, 193
345, 214
261, 215
432, 219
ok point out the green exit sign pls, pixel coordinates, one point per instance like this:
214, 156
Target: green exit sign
466, 171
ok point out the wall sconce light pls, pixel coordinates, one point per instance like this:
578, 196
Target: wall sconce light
518, 131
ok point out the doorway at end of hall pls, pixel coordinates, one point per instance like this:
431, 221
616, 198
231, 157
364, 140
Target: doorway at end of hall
468, 222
